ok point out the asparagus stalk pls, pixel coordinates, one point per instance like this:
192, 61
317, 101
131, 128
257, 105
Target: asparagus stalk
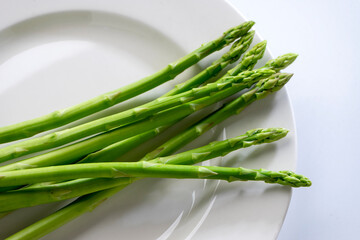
145, 169
64, 215
70, 189
112, 152
70, 114
76, 151
82, 205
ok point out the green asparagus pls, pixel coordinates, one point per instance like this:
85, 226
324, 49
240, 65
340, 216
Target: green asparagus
145, 169
116, 176
76, 151
48, 224
70, 114
83, 204
65, 190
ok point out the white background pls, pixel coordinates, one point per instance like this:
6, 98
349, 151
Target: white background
326, 102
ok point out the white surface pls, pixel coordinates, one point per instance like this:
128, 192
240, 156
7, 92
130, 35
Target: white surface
59, 59
326, 101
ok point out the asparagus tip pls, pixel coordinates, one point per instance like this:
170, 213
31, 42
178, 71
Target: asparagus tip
281, 62
286, 177
240, 46
267, 135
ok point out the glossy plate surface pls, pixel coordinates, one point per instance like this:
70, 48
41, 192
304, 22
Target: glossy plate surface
54, 54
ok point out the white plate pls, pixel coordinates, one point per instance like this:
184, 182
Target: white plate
58, 53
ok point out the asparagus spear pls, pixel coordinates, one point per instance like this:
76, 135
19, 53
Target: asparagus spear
70, 114
82, 205
145, 169
70, 189
64, 215
74, 152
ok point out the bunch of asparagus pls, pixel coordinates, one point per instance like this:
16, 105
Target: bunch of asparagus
88, 167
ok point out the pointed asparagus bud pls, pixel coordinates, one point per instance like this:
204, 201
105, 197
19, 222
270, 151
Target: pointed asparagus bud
250, 59
274, 83
284, 178
248, 78
266, 86
239, 47
266, 135
281, 62
235, 32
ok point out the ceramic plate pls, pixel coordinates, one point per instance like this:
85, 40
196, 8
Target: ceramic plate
54, 54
